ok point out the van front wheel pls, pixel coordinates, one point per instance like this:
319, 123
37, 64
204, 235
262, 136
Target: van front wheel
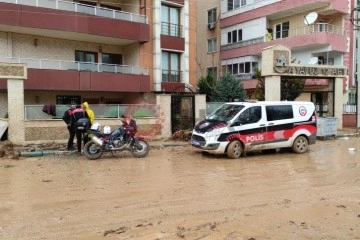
234, 149
300, 144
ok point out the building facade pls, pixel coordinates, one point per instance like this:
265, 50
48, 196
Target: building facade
317, 32
102, 52
208, 43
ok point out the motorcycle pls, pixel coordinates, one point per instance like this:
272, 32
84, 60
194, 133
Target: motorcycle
121, 139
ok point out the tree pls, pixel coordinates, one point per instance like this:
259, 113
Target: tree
291, 88
228, 89
259, 92
206, 85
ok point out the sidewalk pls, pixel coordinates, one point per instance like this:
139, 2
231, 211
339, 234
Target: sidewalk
347, 132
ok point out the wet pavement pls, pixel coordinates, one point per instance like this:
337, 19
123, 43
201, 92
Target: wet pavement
177, 192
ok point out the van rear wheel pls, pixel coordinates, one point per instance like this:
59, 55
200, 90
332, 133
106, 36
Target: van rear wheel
234, 149
300, 144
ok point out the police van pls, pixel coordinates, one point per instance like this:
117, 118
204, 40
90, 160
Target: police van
239, 127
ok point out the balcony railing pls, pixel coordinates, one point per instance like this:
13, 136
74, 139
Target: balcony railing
81, 8
77, 66
34, 112
171, 29
243, 43
348, 108
244, 76
171, 76
294, 32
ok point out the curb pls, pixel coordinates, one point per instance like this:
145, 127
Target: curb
65, 152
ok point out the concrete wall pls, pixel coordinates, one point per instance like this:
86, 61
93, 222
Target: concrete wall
54, 130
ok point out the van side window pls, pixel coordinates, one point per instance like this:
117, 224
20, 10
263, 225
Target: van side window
279, 112
250, 115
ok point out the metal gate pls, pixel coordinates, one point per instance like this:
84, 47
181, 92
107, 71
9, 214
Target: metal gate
182, 112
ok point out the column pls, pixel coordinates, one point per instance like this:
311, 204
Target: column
338, 105
273, 88
16, 132
164, 101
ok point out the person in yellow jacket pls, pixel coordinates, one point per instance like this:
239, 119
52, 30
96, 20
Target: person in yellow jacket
91, 115
90, 112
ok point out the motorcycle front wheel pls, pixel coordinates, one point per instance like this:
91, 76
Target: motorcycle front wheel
139, 149
92, 151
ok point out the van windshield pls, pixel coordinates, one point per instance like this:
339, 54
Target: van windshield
225, 112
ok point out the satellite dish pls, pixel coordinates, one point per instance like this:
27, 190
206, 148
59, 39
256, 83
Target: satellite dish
313, 60
310, 18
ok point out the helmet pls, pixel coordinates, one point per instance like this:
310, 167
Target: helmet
96, 126
107, 130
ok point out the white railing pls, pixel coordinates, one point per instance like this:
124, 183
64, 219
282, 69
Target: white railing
347, 108
81, 8
35, 112
316, 28
294, 32
77, 66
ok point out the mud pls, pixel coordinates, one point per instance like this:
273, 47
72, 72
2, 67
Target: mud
178, 192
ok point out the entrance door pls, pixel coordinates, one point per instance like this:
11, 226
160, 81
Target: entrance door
318, 100
182, 112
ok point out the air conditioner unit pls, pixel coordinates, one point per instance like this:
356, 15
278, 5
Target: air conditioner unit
211, 26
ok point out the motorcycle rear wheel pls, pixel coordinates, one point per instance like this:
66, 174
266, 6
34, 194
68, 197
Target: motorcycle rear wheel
140, 150
92, 151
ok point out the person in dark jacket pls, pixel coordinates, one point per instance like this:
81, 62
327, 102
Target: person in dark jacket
78, 113
67, 118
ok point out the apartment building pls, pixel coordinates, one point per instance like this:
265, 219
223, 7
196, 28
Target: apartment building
99, 51
317, 32
208, 42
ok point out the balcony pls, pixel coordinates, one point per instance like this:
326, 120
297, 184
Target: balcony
316, 35
75, 21
81, 76
275, 9
172, 36
171, 81
81, 8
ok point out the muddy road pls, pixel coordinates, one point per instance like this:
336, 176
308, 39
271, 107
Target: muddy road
180, 193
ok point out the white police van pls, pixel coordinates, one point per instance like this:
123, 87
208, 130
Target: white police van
239, 127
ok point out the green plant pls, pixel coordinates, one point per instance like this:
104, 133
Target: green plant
206, 85
228, 89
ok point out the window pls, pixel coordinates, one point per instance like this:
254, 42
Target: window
230, 5
212, 71
240, 35
329, 61
234, 4
279, 112
234, 36
212, 16
170, 18
111, 58
282, 30
83, 56
250, 115
212, 45
68, 100
352, 98
170, 67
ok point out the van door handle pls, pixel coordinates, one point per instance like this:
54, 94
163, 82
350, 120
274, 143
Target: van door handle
262, 125
271, 124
